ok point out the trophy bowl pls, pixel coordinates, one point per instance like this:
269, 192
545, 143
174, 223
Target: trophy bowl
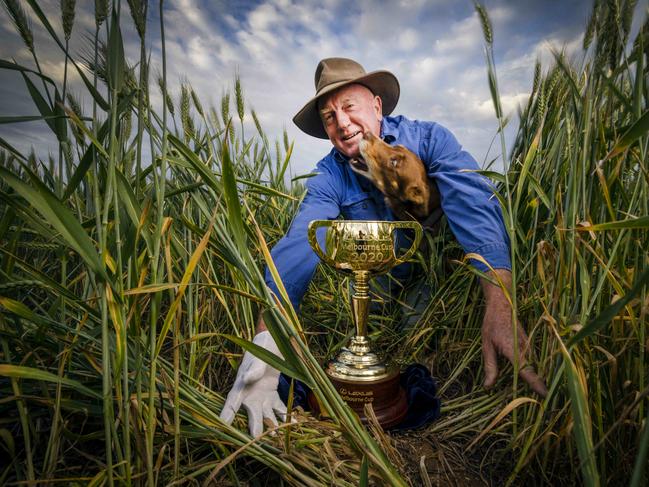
364, 249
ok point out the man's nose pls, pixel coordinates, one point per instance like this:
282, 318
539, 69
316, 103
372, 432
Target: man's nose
343, 119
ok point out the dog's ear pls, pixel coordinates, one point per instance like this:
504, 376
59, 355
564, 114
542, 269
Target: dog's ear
416, 195
403, 150
400, 154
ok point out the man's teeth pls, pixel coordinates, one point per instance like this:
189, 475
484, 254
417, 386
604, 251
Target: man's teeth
352, 135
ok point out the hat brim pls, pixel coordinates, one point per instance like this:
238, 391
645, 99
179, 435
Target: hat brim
381, 83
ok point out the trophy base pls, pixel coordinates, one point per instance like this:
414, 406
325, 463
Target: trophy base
386, 395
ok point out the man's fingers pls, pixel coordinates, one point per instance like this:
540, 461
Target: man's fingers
255, 424
231, 405
269, 414
526, 372
535, 382
280, 408
490, 363
227, 414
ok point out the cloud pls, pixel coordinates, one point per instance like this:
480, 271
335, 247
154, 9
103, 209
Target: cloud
408, 39
263, 17
194, 17
509, 103
462, 35
434, 47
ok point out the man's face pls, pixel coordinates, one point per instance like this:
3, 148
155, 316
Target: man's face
349, 112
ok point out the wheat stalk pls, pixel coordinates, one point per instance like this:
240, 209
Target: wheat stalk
67, 17
21, 22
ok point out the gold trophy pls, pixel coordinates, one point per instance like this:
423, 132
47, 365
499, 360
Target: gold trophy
364, 249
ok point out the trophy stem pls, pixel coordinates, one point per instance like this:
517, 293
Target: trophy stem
361, 303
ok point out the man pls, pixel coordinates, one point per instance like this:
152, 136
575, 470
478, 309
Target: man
349, 102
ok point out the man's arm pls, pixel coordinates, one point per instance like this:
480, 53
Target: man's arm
294, 258
475, 218
498, 335
467, 198
261, 325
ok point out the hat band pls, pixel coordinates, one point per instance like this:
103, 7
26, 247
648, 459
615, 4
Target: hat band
335, 83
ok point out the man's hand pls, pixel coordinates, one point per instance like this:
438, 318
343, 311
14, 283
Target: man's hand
255, 388
498, 336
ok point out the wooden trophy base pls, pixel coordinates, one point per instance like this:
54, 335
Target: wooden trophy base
386, 395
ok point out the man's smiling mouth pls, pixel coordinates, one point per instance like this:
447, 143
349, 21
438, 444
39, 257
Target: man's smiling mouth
351, 136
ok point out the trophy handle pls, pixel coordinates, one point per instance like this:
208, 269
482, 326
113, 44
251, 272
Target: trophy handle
415, 243
313, 240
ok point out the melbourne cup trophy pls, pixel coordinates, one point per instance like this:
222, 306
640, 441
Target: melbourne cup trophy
364, 249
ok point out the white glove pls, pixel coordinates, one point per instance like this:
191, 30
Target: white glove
256, 389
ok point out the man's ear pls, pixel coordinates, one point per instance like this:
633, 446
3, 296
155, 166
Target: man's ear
378, 107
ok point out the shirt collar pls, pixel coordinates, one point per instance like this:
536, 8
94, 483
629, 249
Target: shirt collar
389, 130
388, 134
339, 157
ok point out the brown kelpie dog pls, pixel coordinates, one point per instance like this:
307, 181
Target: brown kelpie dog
401, 176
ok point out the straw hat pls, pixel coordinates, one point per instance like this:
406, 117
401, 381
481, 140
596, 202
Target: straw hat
333, 73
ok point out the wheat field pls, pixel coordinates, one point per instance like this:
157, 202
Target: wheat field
131, 277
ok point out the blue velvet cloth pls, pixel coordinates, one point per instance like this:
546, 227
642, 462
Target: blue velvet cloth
421, 392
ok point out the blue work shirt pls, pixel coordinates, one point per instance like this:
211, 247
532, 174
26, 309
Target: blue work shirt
467, 200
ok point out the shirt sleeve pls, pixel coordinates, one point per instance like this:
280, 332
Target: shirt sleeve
467, 199
293, 256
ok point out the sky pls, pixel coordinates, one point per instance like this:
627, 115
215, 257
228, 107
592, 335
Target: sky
434, 47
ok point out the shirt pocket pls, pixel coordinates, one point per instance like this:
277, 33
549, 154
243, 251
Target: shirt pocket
360, 207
